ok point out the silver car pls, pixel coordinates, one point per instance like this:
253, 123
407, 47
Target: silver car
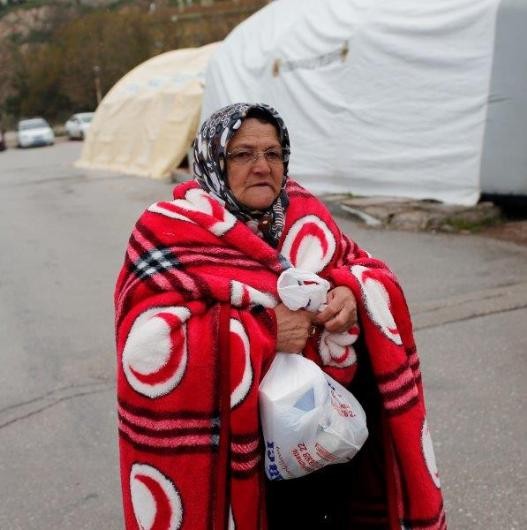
78, 125
34, 132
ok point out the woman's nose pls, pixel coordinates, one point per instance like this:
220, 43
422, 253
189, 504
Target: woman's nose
261, 164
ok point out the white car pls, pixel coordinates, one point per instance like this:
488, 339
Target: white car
78, 125
33, 132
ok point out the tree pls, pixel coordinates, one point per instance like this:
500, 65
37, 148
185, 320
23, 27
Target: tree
53, 69
114, 42
36, 81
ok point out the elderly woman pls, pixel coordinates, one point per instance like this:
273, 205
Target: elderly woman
199, 321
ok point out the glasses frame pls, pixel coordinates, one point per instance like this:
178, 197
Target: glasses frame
256, 155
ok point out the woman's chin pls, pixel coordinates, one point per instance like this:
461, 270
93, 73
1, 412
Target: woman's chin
258, 199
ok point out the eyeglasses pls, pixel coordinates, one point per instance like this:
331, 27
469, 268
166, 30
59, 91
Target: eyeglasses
244, 157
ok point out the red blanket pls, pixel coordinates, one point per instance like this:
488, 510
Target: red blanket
195, 334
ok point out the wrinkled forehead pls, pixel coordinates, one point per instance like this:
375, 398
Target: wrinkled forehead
255, 133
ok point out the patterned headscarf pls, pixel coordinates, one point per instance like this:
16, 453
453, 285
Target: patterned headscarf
210, 166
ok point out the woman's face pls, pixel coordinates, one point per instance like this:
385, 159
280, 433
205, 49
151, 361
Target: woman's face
256, 183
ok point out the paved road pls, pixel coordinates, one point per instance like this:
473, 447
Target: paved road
63, 234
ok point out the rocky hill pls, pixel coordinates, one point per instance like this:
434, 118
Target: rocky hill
21, 25
40, 30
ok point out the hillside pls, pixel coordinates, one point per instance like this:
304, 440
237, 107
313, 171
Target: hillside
52, 51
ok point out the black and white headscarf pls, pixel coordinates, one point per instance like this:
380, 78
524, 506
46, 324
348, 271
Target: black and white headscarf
210, 166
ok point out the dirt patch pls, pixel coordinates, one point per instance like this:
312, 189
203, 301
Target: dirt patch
515, 231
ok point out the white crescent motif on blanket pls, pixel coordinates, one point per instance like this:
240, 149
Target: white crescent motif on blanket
429, 455
336, 349
155, 500
164, 209
240, 355
243, 295
231, 525
377, 303
197, 200
309, 245
155, 354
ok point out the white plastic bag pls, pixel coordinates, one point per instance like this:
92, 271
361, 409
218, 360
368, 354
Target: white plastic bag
308, 419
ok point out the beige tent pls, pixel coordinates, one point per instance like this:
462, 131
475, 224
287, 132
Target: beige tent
146, 122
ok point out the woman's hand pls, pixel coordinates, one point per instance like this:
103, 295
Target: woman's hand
341, 311
293, 329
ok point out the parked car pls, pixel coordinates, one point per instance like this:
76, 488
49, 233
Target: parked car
78, 124
33, 132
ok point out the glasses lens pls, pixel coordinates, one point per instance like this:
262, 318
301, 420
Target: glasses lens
247, 156
242, 156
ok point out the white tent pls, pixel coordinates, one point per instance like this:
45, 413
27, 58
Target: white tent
504, 158
146, 122
380, 98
